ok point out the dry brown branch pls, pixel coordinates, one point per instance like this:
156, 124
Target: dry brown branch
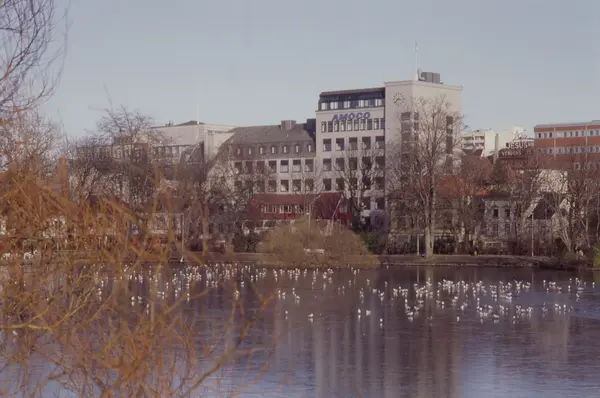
102, 308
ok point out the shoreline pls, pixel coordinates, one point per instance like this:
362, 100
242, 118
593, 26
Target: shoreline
358, 261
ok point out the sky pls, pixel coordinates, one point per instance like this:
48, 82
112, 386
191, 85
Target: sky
242, 62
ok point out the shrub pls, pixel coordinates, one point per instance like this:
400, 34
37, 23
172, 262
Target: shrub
315, 244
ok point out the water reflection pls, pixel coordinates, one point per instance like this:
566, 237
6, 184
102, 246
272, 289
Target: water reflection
396, 332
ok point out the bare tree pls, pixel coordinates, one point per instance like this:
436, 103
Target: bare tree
27, 65
29, 143
460, 197
131, 138
358, 173
575, 190
423, 155
90, 168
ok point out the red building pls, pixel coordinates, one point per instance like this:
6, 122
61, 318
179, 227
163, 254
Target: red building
267, 210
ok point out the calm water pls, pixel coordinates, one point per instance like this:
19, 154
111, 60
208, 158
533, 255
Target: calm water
398, 332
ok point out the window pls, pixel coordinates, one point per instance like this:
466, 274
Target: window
336, 126
309, 165
507, 228
339, 144
349, 125
260, 167
495, 213
329, 127
356, 125
379, 162
272, 186
326, 164
362, 124
339, 164
380, 203
324, 106
346, 104
366, 180
272, 166
343, 125
238, 151
366, 142
366, 203
297, 185
376, 124
367, 163
296, 165
286, 149
507, 213
327, 145
238, 167
339, 184
353, 143
333, 105
284, 166
327, 184
248, 167
261, 150
297, 148
353, 164
309, 185
323, 127
369, 124
382, 123
380, 142
494, 229
379, 102
284, 186
260, 186
250, 151
273, 150
379, 183
309, 148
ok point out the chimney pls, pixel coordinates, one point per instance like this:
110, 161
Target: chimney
287, 124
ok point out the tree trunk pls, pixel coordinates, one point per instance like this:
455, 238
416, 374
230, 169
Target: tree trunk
204, 220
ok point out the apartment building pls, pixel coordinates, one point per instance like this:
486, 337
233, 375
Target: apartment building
570, 142
488, 142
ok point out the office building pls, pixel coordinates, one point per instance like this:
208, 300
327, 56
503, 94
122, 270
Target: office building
359, 124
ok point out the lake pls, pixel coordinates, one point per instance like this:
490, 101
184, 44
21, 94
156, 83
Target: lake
395, 332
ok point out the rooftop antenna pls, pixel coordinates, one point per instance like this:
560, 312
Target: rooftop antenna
417, 77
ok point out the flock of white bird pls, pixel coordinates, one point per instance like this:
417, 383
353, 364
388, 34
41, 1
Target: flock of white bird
502, 300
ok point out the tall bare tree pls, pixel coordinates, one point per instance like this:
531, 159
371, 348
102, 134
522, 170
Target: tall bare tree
28, 70
424, 153
30, 143
460, 197
357, 174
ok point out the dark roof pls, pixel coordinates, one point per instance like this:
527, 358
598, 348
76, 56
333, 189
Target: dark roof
268, 134
546, 207
354, 91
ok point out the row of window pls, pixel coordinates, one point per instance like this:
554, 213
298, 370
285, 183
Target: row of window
353, 125
308, 185
275, 149
565, 134
572, 149
283, 166
340, 143
248, 167
361, 103
366, 164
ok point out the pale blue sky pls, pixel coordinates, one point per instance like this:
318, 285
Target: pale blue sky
521, 62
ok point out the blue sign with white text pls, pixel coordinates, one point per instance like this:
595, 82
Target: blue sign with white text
351, 116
